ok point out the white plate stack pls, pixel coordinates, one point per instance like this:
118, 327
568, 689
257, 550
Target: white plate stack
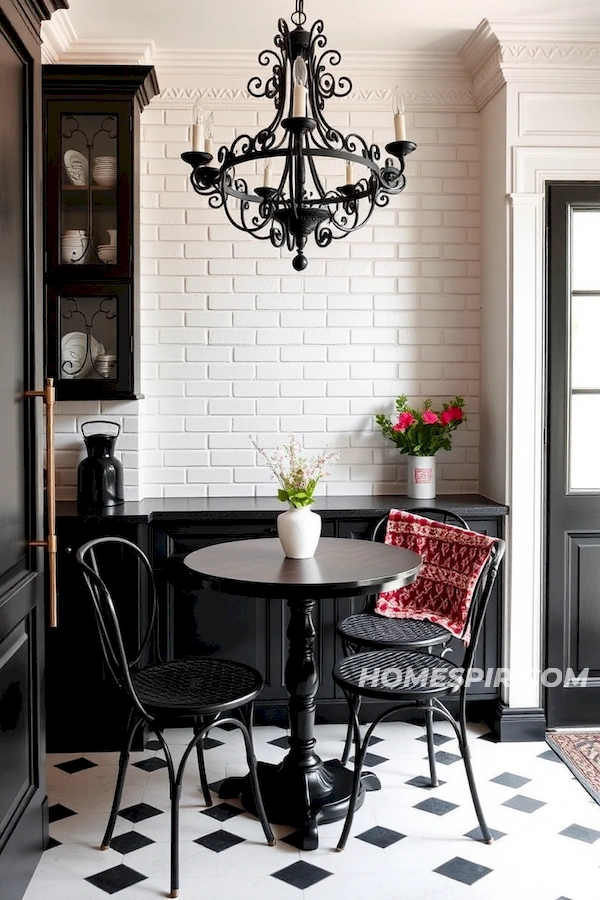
77, 356
105, 171
74, 246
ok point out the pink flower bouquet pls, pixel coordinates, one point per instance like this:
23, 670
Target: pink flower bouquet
422, 432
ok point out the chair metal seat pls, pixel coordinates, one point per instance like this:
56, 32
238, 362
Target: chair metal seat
408, 679
397, 675
369, 629
201, 685
206, 690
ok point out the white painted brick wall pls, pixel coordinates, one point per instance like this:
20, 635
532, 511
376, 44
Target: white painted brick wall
234, 341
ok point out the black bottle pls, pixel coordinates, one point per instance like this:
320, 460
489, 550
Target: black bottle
100, 474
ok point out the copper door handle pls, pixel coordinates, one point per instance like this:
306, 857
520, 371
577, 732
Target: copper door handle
50, 543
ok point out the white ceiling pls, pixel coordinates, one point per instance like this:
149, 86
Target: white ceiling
368, 25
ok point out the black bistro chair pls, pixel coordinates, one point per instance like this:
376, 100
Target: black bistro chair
200, 691
419, 681
368, 631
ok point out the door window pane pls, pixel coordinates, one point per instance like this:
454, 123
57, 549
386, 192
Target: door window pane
584, 458
585, 250
585, 342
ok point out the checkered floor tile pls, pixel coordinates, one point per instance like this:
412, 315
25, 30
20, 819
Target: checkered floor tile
409, 840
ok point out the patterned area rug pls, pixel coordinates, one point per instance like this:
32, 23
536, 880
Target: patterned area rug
580, 751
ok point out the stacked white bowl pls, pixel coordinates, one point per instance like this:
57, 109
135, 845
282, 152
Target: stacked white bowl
105, 171
74, 246
106, 365
107, 253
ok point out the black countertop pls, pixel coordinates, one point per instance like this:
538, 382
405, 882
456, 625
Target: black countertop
351, 507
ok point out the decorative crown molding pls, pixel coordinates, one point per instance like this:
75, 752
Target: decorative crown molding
500, 52
227, 97
495, 53
57, 36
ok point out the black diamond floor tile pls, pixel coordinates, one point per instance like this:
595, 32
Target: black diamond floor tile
421, 781
301, 875
372, 759
446, 759
228, 727
436, 806
380, 836
215, 786
76, 765
58, 812
52, 842
509, 780
523, 803
476, 834
219, 840
153, 745
130, 841
210, 743
139, 812
151, 764
580, 833
116, 879
550, 755
282, 742
489, 736
438, 739
463, 870
222, 811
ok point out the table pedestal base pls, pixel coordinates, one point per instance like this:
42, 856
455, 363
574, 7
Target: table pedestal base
301, 798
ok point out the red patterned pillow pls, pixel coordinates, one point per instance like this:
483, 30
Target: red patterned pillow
452, 562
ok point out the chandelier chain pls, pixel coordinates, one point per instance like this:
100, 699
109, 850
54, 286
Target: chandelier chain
299, 16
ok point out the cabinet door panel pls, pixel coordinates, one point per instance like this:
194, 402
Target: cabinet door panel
89, 339
89, 188
73, 650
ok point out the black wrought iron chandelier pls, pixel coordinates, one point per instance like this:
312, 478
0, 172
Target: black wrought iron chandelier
295, 203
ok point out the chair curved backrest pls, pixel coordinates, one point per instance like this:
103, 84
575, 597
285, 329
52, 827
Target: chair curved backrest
485, 582
119, 662
437, 513
480, 602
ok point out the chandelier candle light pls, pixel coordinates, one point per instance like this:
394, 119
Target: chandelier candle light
296, 202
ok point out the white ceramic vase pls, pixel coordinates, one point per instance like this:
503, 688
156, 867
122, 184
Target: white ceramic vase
421, 477
299, 531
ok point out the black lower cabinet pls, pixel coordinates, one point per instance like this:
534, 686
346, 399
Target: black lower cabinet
200, 621
85, 710
203, 621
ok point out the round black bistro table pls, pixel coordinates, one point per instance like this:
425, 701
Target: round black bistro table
302, 790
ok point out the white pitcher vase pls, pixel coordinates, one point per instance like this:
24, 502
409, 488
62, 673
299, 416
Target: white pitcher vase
299, 531
421, 477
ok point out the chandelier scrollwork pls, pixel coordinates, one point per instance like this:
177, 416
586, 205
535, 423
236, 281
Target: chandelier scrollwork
296, 199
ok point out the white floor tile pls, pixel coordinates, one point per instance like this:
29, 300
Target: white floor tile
532, 862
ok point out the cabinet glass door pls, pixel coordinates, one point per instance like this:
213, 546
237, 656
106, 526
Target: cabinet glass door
88, 225
89, 333
88, 336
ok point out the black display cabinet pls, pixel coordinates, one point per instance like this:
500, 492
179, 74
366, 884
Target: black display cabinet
92, 126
